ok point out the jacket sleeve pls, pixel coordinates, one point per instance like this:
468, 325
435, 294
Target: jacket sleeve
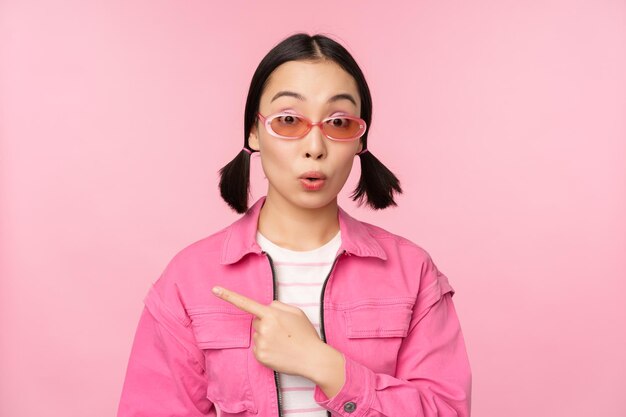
165, 376
433, 375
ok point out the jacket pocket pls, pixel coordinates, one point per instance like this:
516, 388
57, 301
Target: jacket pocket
391, 320
224, 336
379, 326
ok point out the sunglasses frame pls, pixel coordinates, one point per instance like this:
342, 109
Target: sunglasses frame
267, 121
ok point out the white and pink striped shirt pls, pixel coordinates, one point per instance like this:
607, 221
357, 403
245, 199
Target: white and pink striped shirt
299, 278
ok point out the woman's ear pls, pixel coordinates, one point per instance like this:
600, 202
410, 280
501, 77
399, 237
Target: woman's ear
360, 146
253, 138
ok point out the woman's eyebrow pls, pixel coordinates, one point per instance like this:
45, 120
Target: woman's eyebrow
336, 97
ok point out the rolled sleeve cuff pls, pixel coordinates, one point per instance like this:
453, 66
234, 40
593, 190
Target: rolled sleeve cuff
356, 395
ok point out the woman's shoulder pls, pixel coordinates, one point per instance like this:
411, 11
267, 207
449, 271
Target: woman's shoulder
387, 238
185, 274
194, 256
401, 250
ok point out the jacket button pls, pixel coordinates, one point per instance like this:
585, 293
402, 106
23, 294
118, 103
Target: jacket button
349, 407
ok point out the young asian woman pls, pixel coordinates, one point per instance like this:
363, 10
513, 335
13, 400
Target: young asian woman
297, 307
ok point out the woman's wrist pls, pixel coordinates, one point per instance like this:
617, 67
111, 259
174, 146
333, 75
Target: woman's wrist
326, 368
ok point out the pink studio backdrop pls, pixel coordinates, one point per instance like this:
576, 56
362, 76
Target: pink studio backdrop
503, 120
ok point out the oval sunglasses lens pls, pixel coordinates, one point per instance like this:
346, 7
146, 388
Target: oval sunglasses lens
349, 130
293, 129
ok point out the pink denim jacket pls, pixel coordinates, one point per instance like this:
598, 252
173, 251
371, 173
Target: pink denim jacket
384, 305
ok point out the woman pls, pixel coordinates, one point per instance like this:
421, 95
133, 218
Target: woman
297, 307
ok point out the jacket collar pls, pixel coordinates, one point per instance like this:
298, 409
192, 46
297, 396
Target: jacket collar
241, 236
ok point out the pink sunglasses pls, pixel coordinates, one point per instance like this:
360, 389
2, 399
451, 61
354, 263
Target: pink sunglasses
295, 126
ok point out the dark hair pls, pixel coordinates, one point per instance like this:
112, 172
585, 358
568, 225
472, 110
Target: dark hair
376, 184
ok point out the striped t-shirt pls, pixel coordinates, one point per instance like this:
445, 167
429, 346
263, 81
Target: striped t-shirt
299, 278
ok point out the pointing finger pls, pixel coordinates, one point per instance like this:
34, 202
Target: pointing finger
241, 301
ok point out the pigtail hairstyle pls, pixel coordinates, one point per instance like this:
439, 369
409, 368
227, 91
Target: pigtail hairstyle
377, 183
235, 181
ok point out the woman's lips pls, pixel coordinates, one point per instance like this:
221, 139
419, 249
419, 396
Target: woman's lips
312, 184
312, 180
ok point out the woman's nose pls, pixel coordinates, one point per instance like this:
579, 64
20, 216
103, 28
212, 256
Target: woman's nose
315, 143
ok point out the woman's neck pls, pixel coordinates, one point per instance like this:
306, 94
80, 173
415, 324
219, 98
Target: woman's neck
297, 228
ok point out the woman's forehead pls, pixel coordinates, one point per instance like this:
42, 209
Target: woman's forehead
311, 82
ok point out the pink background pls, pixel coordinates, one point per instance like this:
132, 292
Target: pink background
505, 122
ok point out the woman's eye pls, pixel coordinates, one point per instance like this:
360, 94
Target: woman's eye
339, 122
287, 120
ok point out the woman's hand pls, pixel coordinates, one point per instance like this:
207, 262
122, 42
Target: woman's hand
285, 340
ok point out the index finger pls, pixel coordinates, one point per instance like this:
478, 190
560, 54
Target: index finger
241, 301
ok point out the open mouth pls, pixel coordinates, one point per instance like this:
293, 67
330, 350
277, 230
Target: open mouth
312, 183
313, 180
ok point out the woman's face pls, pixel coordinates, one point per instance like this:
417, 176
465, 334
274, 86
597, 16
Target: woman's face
284, 161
